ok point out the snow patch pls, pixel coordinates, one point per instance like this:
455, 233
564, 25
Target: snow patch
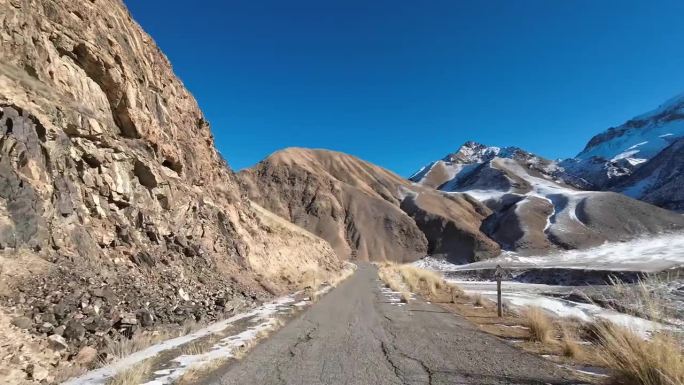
264, 318
650, 254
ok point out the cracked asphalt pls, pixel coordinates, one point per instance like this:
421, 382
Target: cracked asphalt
354, 335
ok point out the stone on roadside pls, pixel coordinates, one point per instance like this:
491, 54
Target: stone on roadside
57, 342
86, 355
22, 322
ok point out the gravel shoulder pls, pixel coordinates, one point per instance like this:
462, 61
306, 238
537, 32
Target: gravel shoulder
355, 335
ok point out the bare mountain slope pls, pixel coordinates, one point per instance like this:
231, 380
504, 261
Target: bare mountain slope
116, 211
357, 207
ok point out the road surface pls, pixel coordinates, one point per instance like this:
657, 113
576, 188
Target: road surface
355, 336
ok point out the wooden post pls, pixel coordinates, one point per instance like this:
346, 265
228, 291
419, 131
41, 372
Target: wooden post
498, 297
498, 275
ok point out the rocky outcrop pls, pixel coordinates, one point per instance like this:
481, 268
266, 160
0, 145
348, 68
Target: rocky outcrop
364, 211
660, 181
116, 211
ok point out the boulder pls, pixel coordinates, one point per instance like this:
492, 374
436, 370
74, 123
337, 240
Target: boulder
22, 322
86, 355
57, 342
74, 331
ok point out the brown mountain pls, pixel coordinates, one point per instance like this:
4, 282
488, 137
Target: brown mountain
365, 211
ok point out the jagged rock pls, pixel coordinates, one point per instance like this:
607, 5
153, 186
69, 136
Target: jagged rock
183, 295
145, 317
47, 328
57, 342
74, 331
38, 373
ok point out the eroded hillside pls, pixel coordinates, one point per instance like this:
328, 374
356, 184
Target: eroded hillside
365, 211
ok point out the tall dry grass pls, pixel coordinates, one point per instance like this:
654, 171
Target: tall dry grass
420, 280
645, 298
539, 323
569, 341
639, 361
389, 275
405, 278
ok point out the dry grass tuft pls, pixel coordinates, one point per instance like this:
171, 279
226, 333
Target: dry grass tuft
569, 341
195, 348
539, 323
478, 300
132, 376
638, 361
644, 298
425, 282
455, 292
65, 372
388, 273
420, 279
195, 373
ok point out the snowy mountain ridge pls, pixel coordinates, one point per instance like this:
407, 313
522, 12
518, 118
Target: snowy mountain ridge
611, 160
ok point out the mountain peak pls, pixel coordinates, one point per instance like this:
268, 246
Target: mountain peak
472, 152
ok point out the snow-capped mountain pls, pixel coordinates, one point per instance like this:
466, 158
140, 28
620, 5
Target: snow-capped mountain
659, 181
611, 159
536, 205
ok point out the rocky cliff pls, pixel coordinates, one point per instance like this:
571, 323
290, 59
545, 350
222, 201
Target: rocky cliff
365, 211
116, 211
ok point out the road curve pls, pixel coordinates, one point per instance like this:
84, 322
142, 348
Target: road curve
355, 336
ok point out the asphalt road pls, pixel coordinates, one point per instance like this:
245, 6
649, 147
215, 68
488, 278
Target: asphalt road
354, 335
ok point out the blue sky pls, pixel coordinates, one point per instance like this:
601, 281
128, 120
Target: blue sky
400, 83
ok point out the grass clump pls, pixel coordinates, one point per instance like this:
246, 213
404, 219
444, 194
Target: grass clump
132, 376
428, 283
639, 361
539, 323
389, 275
420, 279
478, 300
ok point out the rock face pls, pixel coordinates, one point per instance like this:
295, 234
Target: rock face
536, 206
660, 181
639, 158
365, 211
113, 199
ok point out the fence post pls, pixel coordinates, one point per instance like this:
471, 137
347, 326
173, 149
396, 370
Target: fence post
498, 275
